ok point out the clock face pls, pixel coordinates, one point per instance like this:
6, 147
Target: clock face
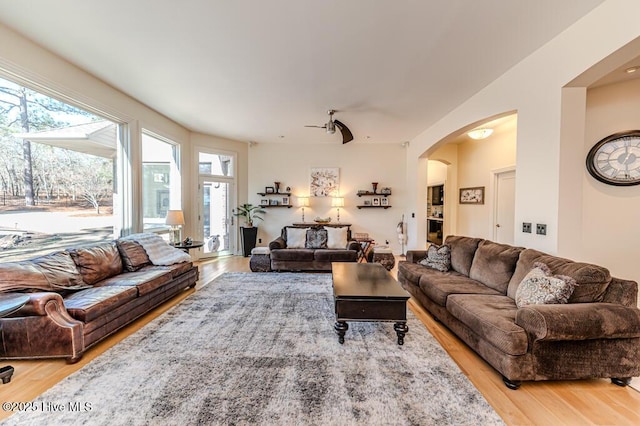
615, 160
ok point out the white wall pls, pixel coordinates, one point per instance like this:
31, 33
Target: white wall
611, 215
533, 88
360, 165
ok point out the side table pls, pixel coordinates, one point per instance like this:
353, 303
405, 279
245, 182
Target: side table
10, 303
186, 247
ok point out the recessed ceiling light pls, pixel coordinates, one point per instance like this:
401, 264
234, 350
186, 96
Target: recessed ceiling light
481, 133
631, 70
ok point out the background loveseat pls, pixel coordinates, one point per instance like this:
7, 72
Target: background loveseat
595, 335
79, 296
312, 248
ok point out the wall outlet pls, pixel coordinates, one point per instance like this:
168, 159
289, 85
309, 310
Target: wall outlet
541, 229
526, 227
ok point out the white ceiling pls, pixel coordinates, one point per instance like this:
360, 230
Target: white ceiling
256, 70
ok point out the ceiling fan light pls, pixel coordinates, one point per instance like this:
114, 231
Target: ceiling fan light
331, 127
481, 133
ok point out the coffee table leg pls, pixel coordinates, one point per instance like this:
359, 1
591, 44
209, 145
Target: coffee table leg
341, 328
401, 329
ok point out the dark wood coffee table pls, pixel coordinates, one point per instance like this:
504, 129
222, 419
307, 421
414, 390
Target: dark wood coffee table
367, 292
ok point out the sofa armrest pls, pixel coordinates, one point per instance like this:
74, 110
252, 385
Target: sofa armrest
579, 321
36, 305
353, 245
278, 243
415, 256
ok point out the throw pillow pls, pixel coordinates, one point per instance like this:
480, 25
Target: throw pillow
336, 238
438, 257
316, 239
539, 287
296, 237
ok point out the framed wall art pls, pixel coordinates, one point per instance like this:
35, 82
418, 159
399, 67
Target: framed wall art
324, 181
473, 195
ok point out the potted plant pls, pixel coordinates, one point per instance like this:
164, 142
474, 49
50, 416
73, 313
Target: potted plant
250, 213
249, 233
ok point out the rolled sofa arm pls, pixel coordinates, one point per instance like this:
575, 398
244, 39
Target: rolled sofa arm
579, 321
353, 245
278, 243
36, 304
415, 256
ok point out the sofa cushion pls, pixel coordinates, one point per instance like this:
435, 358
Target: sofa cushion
145, 280
439, 285
591, 280
176, 269
97, 262
296, 237
462, 251
336, 238
494, 263
493, 318
87, 305
133, 255
316, 238
412, 271
18, 276
438, 258
335, 255
540, 287
301, 255
60, 271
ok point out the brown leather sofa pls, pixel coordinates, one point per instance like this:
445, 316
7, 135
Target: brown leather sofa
77, 297
312, 248
596, 334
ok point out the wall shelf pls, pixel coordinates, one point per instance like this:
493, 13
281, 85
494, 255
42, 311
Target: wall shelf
373, 207
266, 206
264, 194
378, 194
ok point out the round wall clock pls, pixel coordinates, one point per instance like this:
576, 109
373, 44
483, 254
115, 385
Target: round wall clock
615, 160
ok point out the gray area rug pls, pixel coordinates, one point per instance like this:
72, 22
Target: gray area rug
259, 348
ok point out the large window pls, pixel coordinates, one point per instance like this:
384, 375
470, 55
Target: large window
57, 181
160, 180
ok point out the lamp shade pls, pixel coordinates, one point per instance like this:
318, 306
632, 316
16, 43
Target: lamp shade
337, 202
174, 217
303, 201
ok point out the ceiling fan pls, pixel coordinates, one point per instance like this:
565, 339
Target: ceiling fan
332, 124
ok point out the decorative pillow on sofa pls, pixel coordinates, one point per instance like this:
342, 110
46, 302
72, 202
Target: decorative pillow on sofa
97, 262
438, 257
133, 255
296, 237
540, 287
316, 239
336, 238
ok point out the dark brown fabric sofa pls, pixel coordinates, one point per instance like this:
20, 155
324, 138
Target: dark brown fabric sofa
77, 297
595, 335
312, 248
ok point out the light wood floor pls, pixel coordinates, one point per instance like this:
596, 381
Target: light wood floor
543, 403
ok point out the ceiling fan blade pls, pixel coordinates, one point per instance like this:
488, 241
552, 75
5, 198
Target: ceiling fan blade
319, 127
347, 136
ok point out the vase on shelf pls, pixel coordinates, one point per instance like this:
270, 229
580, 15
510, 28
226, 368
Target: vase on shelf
375, 186
277, 187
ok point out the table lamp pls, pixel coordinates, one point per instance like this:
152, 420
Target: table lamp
303, 202
175, 219
337, 202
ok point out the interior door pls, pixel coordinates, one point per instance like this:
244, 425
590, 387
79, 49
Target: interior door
215, 218
505, 201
